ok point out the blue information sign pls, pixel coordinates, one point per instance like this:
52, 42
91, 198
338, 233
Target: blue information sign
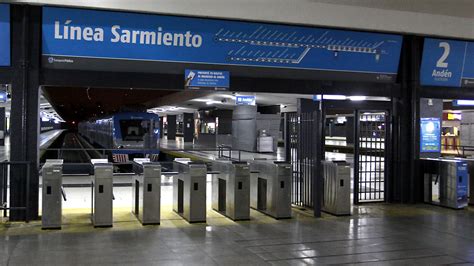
74, 37
245, 100
4, 35
447, 63
430, 134
198, 79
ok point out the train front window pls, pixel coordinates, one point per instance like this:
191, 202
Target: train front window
132, 130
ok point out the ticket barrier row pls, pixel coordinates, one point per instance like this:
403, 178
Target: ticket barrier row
53, 194
233, 194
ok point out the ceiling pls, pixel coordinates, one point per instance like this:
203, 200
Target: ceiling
454, 8
78, 104
226, 100
447, 18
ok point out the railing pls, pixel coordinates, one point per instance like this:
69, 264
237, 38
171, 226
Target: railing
5, 181
458, 150
223, 151
223, 148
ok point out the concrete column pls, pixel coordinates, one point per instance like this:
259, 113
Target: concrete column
171, 132
26, 26
188, 127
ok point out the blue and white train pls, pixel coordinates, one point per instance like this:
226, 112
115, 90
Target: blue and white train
127, 135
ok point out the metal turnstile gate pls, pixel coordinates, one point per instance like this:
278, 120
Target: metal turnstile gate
337, 187
270, 188
102, 195
231, 189
189, 190
146, 191
52, 194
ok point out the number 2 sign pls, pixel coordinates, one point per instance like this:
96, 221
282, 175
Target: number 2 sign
447, 63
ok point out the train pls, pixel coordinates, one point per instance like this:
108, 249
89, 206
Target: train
125, 135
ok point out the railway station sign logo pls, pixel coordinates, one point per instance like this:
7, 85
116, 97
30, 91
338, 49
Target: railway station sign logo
245, 100
119, 41
447, 63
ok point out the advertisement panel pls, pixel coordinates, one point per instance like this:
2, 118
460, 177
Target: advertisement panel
430, 134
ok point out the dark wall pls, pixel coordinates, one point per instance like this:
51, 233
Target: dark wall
270, 109
225, 119
188, 127
171, 132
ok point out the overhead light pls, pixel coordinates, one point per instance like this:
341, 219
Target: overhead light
201, 100
227, 96
329, 97
212, 102
357, 98
463, 102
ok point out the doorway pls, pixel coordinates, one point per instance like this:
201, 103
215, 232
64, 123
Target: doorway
365, 143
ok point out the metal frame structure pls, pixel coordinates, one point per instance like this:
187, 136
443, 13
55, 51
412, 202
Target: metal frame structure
358, 109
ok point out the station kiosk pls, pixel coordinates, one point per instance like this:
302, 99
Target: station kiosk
189, 190
102, 193
146, 191
52, 194
231, 189
270, 188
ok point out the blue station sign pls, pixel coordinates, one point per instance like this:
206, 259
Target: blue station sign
73, 38
447, 63
5, 35
430, 134
202, 79
245, 100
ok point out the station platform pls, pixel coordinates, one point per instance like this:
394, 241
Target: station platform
44, 141
179, 148
376, 234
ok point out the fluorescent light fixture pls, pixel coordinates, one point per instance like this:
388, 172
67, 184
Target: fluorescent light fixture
330, 97
341, 119
464, 102
357, 98
212, 102
202, 100
227, 96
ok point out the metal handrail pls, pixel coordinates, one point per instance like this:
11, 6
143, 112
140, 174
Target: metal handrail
220, 151
4, 175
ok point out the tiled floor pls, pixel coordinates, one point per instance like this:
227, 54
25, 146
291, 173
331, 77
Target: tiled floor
378, 234
374, 235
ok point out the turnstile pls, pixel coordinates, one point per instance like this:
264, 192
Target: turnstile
270, 188
189, 190
52, 194
337, 187
146, 191
102, 195
470, 170
231, 189
445, 182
